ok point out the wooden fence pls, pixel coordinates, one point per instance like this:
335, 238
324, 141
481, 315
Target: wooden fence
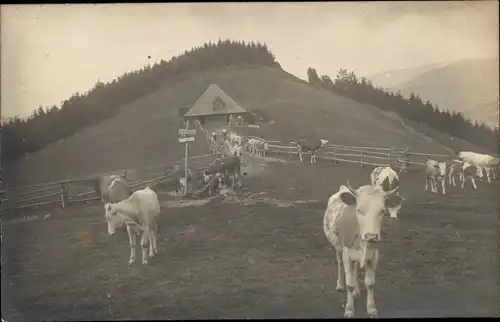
73, 191
361, 155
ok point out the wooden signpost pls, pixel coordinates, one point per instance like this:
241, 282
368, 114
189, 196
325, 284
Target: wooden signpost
186, 139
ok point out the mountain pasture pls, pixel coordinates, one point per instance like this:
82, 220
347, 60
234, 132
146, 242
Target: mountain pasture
260, 253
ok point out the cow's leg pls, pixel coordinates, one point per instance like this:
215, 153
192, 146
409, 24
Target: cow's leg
350, 284
426, 183
473, 183
463, 183
371, 265
433, 185
300, 154
152, 240
340, 272
144, 244
238, 180
443, 183
488, 175
357, 291
133, 241
155, 236
452, 180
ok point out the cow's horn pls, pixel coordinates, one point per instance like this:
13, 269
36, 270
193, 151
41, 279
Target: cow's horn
351, 189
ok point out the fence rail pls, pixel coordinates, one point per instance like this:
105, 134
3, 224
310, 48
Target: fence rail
72, 191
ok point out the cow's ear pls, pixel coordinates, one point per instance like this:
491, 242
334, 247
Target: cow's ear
386, 184
348, 198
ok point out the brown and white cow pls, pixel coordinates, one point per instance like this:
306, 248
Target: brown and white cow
481, 161
388, 179
310, 146
352, 224
470, 172
435, 172
454, 170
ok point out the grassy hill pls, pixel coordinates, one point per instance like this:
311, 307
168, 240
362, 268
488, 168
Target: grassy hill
467, 86
144, 133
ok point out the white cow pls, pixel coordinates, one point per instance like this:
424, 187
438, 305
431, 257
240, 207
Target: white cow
256, 147
488, 162
470, 172
139, 213
352, 224
388, 179
454, 170
434, 172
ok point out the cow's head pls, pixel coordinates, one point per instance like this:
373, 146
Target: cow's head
323, 142
112, 218
440, 169
393, 203
371, 202
394, 200
387, 185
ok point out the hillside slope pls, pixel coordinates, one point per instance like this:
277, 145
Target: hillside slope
145, 132
467, 86
395, 77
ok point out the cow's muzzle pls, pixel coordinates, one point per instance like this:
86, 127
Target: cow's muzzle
371, 237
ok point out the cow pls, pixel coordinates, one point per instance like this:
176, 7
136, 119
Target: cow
435, 171
488, 162
256, 147
352, 224
470, 172
228, 167
388, 179
313, 147
101, 184
455, 169
139, 213
118, 190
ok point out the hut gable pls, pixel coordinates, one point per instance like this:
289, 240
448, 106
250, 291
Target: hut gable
218, 104
214, 101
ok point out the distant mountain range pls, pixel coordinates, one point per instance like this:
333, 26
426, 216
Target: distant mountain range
468, 86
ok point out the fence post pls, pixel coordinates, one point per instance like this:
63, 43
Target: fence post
64, 195
68, 191
362, 157
334, 155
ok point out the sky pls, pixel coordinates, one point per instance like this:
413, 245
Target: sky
49, 52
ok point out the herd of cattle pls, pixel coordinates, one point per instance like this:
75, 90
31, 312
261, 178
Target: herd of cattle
352, 220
